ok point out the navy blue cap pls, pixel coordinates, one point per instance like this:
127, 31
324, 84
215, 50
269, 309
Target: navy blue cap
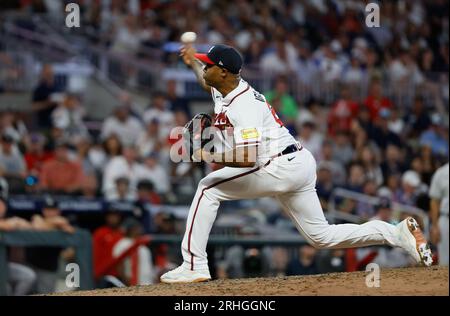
223, 56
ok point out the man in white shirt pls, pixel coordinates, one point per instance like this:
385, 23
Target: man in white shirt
122, 124
68, 116
261, 159
153, 171
160, 110
125, 166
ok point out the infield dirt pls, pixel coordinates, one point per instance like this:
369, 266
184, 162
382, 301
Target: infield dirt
407, 281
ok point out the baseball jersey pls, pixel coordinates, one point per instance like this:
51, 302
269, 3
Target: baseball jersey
439, 188
244, 118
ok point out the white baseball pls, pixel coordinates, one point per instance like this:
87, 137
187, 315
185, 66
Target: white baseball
188, 37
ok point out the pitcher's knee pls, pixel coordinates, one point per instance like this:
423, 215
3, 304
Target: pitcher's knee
320, 240
318, 243
205, 189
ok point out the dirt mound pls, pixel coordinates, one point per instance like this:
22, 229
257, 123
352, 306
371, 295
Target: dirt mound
408, 281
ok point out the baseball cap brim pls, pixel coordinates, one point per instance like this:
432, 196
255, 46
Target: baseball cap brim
204, 58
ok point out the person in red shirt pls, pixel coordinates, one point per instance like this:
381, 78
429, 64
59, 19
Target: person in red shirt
61, 174
36, 155
104, 240
342, 113
375, 101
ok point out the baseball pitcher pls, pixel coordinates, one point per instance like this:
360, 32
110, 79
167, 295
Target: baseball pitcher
261, 158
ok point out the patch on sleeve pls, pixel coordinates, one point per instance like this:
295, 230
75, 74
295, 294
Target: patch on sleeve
249, 133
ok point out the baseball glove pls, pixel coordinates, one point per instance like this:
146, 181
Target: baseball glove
193, 136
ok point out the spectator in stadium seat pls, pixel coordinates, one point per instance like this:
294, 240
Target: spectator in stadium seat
376, 101
150, 139
410, 188
280, 59
61, 174
328, 61
136, 269
153, 171
392, 162
177, 103
89, 187
128, 36
356, 177
436, 136
427, 163
310, 138
354, 73
112, 147
11, 123
146, 196
43, 105
126, 100
281, 101
146, 192
304, 263
159, 109
122, 191
392, 187
364, 209
381, 134
369, 161
126, 166
395, 123
12, 164
326, 155
342, 112
325, 183
103, 240
36, 154
306, 69
83, 146
343, 151
126, 127
68, 116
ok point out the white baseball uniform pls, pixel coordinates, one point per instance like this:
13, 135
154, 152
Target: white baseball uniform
439, 189
291, 178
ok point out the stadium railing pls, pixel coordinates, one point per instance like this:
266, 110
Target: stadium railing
80, 240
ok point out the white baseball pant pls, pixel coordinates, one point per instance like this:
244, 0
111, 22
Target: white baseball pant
443, 244
291, 179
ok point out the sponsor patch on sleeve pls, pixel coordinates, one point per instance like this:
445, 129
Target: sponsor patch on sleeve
249, 133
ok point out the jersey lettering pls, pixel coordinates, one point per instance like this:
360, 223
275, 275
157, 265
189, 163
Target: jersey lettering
275, 115
221, 121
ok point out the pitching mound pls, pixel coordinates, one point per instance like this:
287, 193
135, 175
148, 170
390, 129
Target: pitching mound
408, 281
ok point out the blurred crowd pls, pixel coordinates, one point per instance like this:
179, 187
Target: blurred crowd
367, 144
